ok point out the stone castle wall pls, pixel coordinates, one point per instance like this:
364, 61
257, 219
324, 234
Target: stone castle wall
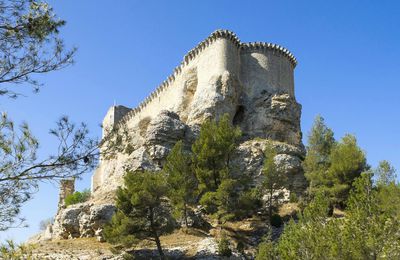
261, 66
252, 82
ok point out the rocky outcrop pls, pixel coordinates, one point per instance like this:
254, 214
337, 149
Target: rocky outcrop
249, 157
82, 220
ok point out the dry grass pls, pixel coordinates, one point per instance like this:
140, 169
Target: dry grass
182, 238
288, 210
73, 247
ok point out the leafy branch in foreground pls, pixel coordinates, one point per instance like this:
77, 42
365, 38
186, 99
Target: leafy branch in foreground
11, 250
29, 44
21, 170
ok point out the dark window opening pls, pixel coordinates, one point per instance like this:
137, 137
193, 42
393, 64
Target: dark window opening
239, 116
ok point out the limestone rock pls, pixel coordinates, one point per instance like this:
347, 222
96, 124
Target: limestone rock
248, 159
81, 220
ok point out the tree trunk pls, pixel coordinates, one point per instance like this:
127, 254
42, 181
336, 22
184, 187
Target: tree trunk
157, 239
185, 214
270, 204
215, 179
155, 234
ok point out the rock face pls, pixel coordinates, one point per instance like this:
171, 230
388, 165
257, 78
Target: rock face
251, 82
82, 220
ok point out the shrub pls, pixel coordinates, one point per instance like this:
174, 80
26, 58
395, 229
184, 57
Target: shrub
208, 201
293, 198
266, 250
276, 220
240, 247
77, 197
224, 247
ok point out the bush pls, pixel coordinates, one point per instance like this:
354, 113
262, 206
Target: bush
208, 201
240, 247
293, 198
276, 220
224, 247
77, 197
266, 250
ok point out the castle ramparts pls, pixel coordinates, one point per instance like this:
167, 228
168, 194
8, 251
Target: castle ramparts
192, 55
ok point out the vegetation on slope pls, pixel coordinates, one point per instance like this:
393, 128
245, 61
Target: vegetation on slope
77, 197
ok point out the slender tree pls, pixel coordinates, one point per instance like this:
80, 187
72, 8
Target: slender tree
347, 163
141, 211
212, 151
385, 173
181, 181
317, 161
274, 179
330, 166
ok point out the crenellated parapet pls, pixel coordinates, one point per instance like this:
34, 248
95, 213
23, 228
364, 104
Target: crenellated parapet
194, 53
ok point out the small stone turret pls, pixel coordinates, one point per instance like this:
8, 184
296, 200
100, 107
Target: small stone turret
113, 116
67, 187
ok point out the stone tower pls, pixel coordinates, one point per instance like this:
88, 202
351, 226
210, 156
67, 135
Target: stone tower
67, 187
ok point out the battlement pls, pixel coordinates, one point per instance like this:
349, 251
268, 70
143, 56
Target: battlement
241, 49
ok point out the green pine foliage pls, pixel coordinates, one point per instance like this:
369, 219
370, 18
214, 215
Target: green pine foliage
331, 166
385, 174
367, 231
266, 250
142, 211
224, 247
347, 163
212, 151
182, 184
77, 197
274, 179
222, 194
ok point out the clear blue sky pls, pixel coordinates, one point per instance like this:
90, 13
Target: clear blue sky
348, 71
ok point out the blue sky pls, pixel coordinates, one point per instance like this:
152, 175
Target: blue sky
348, 70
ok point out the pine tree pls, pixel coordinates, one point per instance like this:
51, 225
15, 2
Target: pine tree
317, 161
182, 183
212, 151
385, 173
141, 211
222, 194
330, 166
365, 232
274, 179
347, 163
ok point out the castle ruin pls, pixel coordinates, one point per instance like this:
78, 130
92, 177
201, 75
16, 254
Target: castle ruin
221, 75
251, 82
